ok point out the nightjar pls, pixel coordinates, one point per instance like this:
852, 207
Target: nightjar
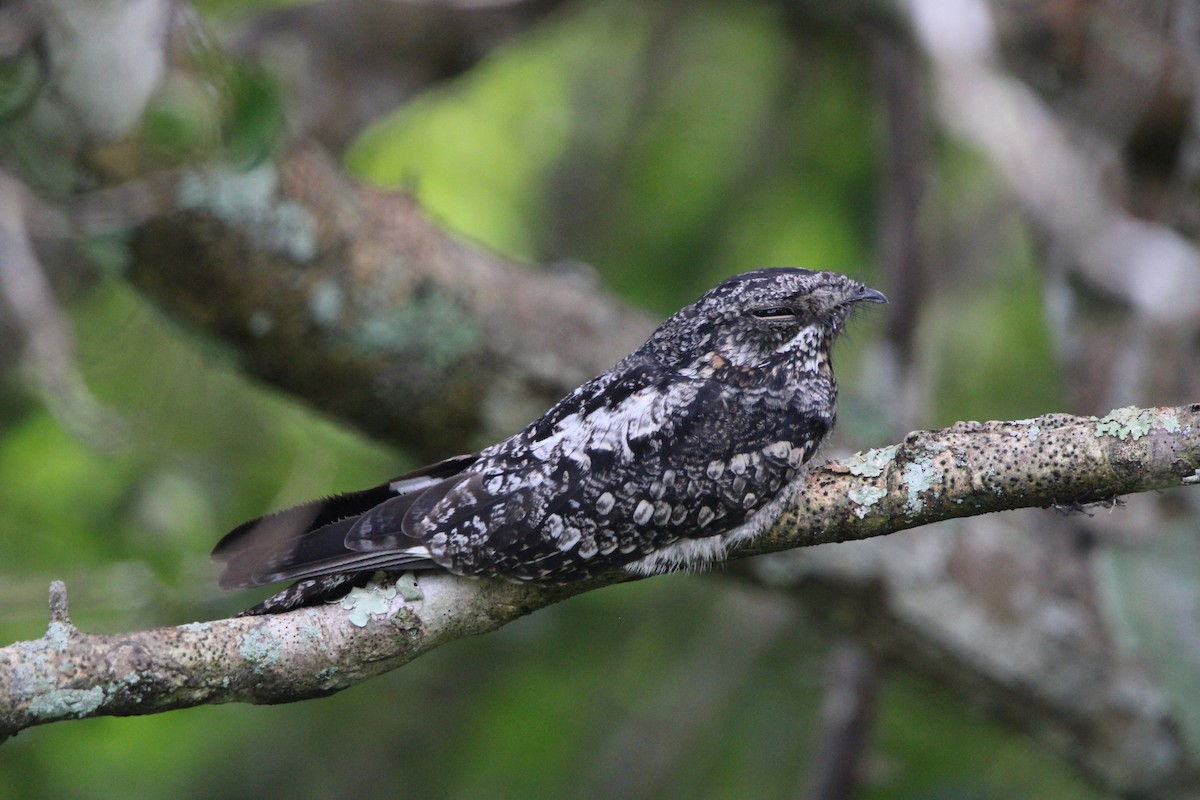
688, 445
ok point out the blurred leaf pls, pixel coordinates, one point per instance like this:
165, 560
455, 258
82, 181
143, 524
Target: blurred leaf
474, 151
256, 121
20, 81
181, 122
675, 112
931, 746
992, 349
58, 499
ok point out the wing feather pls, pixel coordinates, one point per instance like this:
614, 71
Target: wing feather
316, 538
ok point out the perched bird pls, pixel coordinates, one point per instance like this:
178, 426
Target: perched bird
688, 445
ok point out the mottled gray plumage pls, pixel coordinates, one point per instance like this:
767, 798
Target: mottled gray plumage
684, 447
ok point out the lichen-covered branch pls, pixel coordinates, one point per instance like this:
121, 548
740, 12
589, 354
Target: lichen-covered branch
969, 468
977, 467
408, 332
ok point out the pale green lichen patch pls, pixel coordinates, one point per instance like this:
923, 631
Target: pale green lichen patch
432, 326
248, 201
871, 463
407, 587
362, 603
260, 647
325, 303
58, 634
60, 703
1126, 423
864, 497
311, 630
1169, 421
195, 627
1032, 429
309, 633
918, 476
28, 674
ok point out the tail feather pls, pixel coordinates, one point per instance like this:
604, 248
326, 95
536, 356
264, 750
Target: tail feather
346, 535
255, 551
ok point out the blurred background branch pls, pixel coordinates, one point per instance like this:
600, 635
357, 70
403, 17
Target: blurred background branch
1021, 176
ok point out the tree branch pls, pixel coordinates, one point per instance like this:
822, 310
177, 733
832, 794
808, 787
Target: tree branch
969, 468
408, 332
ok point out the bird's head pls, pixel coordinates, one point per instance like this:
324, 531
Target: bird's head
760, 319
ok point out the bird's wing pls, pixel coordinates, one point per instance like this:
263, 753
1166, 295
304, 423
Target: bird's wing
612, 473
314, 538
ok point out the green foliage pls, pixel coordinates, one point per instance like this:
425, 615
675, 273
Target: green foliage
466, 149
39, 461
931, 747
19, 83
1005, 368
985, 333
217, 105
180, 122
255, 119
678, 126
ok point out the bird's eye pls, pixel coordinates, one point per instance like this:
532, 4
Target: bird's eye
774, 312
